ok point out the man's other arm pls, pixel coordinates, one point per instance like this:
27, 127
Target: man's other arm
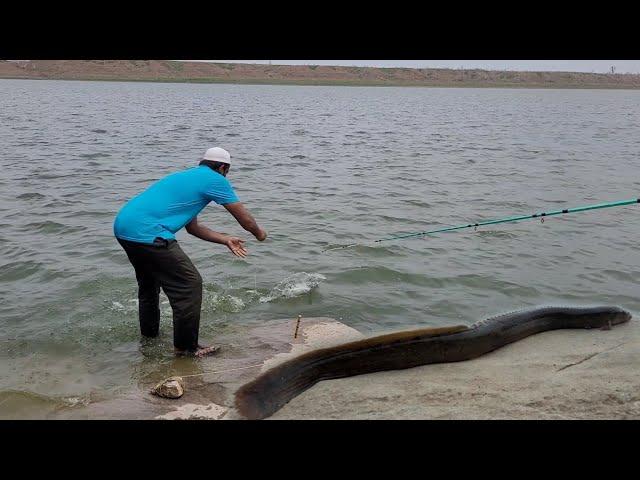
245, 219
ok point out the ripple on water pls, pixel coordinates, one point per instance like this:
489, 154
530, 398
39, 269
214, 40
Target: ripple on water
31, 196
23, 404
50, 227
497, 234
19, 270
91, 156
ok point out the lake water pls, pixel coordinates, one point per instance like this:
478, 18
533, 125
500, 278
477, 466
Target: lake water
318, 167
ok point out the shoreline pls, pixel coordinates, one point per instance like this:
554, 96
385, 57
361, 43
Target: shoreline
560, 374
172, 71
326, 83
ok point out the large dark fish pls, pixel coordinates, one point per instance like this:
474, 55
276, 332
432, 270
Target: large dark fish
266, 394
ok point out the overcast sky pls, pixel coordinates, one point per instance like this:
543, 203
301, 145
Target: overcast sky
598, 66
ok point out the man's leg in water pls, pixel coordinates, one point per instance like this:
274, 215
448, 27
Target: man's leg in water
165, 264
148, 289
182, 283
148, 303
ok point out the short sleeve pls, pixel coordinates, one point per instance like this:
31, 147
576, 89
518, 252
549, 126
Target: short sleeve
221, 191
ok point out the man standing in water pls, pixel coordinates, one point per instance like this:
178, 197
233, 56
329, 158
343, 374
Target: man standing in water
145, 228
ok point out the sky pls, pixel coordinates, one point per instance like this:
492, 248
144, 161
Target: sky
597, 66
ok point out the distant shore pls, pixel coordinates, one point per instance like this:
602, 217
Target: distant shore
257, 74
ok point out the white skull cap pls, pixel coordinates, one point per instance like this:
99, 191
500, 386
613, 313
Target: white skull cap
217, 154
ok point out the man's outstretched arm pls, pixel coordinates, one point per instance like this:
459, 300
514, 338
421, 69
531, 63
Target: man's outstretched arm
245, 219
234, 244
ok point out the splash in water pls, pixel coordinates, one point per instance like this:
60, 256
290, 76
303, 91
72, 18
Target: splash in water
222, 302
130, 307
297, 284
212, 302
235, 302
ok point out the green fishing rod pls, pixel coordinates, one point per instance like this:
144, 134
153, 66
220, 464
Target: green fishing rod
541, 215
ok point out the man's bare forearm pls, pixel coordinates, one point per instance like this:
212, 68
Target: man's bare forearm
246, 220
249, 223
205, 233
209, 235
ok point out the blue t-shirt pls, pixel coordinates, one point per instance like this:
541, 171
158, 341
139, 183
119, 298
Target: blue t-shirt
170, 203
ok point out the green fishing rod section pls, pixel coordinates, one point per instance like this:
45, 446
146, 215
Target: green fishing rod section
541, 215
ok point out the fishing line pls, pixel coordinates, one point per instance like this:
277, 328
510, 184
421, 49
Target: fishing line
223, 371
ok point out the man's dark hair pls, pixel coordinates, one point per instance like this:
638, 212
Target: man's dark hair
215, 166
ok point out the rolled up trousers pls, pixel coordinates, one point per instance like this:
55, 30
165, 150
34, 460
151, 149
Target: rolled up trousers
164, 265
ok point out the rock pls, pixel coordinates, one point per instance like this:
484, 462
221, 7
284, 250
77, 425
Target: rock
172, 387
192, 411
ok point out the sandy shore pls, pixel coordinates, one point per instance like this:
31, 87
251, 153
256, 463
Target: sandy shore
210, 383
313, 333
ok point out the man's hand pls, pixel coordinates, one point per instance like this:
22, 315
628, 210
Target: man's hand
236, 246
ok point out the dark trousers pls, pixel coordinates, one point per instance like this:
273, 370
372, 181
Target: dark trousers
164, 265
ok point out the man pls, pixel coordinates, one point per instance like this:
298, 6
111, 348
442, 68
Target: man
145, 228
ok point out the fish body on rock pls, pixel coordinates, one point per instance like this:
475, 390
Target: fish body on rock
266, 394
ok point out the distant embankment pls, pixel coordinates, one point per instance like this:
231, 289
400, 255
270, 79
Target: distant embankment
174, 71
